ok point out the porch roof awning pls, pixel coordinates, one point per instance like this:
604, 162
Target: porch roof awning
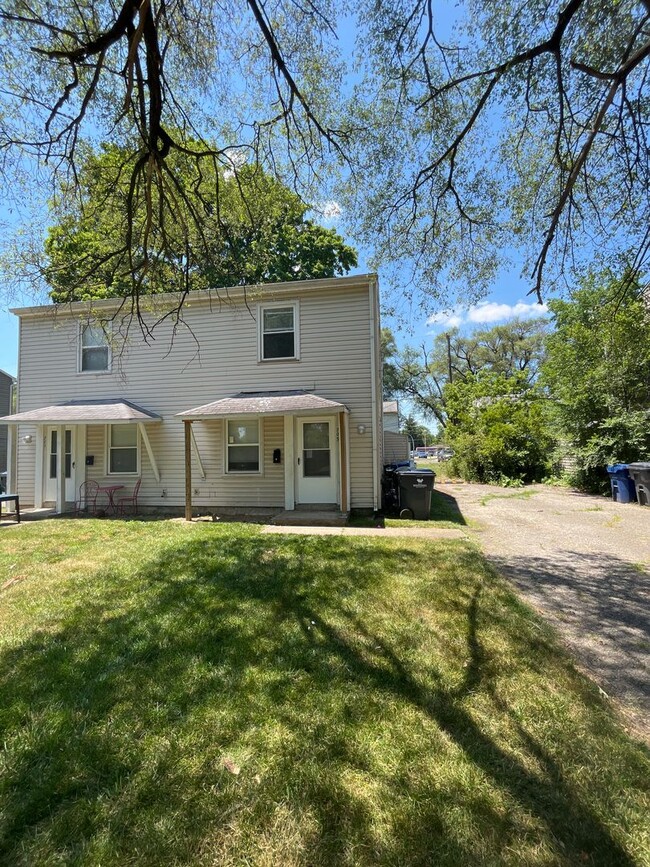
264, 403
102, 411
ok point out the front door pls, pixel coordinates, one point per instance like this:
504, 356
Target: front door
317, 471
51, 453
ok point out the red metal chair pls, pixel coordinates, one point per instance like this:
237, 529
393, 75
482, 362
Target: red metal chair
87, 502
132, 500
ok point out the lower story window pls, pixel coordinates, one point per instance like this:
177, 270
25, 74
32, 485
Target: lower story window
122, 448
243, 447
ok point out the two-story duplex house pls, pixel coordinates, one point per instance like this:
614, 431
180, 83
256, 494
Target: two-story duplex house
269, 399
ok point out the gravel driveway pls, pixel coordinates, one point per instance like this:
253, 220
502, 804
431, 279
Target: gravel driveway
584, 562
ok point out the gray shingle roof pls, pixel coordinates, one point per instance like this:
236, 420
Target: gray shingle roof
85, 412
264, 403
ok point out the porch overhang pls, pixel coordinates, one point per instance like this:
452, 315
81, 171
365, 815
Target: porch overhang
279, 403
80, 412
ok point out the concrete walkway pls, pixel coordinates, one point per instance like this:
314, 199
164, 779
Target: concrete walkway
379, 532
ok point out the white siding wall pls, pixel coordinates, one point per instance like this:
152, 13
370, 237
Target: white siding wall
396, 447
391, 422
215, 356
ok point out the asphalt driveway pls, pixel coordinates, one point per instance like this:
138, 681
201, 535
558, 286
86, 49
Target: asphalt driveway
584, 562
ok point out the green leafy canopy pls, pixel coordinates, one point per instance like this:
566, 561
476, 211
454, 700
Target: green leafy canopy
234, 227
597, 370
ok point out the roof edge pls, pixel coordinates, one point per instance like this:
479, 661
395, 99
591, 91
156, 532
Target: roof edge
218, 294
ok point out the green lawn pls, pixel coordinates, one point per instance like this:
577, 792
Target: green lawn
206, 695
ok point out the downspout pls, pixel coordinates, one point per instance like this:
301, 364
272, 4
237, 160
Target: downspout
374, 331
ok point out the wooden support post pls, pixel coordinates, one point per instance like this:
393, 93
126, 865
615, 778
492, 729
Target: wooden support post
188, 470
343, 457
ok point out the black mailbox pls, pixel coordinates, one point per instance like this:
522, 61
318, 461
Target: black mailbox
277, 456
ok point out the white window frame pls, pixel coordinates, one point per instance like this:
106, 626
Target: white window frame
260, 445
109, 362
108, 437
278, 305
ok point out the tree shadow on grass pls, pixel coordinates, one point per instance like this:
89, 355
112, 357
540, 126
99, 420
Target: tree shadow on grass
601, 604
290, 657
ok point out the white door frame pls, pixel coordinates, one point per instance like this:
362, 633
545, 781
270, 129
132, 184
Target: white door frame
335, 458
49, 486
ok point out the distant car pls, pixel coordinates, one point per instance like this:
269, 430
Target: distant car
445, 454
420, 453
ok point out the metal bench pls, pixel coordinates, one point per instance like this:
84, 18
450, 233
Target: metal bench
11, 498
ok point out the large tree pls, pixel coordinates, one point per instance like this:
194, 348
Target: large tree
527, 122
498, 428
512, 349
253, 229
597, 371
527, 125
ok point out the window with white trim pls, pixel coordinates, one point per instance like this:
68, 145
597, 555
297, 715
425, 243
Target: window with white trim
243, 446
123, 449
95, 352
278, 332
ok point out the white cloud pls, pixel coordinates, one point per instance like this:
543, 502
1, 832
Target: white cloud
236, 158
330, 209
488, 312
447, 320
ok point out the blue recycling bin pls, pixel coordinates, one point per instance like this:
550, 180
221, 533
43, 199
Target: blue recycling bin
623, 489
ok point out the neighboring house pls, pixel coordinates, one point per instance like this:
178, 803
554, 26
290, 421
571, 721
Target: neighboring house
396, 444
391, 415
270, 399
6, 391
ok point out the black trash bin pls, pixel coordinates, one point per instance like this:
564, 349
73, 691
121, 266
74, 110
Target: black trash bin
415, 489
640, 472
622, 485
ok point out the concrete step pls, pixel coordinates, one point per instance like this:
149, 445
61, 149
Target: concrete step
310, 518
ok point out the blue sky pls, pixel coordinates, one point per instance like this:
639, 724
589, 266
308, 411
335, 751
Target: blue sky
506, 301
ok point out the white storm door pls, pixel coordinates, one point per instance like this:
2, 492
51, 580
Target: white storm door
317, 459
50, 468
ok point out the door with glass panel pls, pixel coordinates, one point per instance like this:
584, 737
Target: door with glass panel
51, 466
317, 459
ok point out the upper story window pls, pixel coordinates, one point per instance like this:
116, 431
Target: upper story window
95, 351
278, 331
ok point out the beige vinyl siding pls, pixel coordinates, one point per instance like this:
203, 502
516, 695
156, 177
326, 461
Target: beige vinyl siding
26, 454
215, 356
96, 446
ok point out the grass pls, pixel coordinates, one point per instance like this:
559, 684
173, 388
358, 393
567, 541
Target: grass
440, 468
177, 694
519, 495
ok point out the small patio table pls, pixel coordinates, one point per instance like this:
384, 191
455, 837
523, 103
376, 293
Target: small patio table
109, 490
